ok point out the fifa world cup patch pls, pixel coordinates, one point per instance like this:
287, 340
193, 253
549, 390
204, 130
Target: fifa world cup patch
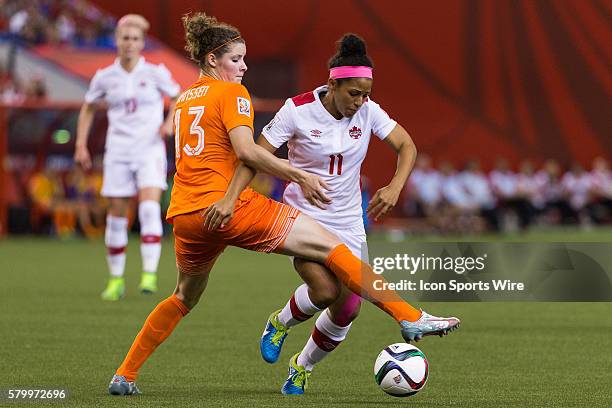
244, 106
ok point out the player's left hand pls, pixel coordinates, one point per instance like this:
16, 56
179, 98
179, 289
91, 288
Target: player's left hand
382, 202
166, 129
219, 214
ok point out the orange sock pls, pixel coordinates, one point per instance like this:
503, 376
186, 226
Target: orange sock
359, 278
158, 326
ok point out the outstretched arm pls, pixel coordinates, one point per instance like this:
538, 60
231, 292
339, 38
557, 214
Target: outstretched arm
260, 157
386, 198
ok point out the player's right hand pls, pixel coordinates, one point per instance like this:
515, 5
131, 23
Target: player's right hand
313, 188
82, 157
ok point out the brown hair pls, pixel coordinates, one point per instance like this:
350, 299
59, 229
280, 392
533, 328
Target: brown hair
204, 34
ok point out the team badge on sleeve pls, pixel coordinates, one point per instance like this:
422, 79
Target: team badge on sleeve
244, 106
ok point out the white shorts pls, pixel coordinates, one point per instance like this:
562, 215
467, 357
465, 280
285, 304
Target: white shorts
354, 238
124, 178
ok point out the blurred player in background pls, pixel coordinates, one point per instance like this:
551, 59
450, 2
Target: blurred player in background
328, 131
214, 133
135, 152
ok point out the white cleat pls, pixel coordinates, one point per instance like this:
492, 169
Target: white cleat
120, 386
428, 325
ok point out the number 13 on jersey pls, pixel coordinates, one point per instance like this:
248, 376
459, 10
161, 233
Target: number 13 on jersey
194, 129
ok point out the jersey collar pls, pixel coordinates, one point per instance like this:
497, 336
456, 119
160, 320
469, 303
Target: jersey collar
139, 64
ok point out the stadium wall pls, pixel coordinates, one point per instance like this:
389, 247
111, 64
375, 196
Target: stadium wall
471, 79
61, 85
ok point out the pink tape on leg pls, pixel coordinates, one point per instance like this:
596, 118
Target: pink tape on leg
347, 311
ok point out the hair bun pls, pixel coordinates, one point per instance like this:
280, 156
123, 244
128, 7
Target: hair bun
351, 44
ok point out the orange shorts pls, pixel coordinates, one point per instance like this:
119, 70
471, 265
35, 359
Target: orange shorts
259, 224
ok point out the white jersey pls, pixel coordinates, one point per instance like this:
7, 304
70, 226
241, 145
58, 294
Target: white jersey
454, 192
578, 188
602, 183
427, 184
331, 148
478, 189
504, 183
135, 106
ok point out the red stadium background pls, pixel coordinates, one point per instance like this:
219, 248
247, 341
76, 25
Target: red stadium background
468, 79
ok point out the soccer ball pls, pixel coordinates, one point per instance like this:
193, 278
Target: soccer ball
401, 370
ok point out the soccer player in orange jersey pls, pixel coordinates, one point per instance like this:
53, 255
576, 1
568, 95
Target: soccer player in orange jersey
214, 133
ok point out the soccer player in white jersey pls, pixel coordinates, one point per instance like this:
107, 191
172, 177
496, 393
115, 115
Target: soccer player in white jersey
133, 91
328, 131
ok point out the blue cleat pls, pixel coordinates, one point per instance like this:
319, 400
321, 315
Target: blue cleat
120, 386
428, 325
272, 338
297, 381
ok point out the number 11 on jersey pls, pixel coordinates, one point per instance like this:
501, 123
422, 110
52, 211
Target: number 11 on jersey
332, 163
194, 129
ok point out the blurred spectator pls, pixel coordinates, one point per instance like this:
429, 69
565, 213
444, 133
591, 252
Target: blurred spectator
556, 208
453, 189
476, 184
58, 22
82, 196
512, 202
424, 187
36, 90
601, 177
577, 187
13, 90
460, 212
529, 186
65, 27
503, 180
45, 190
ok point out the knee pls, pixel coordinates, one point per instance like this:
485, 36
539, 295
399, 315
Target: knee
325, 294
188, 300
118, 207
149, 214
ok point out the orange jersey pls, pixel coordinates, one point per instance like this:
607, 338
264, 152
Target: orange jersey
205, 158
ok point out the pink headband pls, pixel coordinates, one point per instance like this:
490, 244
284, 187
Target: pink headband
350, 72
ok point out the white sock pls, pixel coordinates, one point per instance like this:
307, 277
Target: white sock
298, 309
149, 215
116, 238
324, 339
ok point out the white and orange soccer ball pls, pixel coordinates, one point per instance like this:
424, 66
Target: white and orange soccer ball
401, 370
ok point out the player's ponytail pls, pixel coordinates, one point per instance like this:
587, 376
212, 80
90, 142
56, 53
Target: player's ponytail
351, 52
204, 34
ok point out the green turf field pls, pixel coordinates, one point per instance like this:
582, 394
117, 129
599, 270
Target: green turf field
55, 332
